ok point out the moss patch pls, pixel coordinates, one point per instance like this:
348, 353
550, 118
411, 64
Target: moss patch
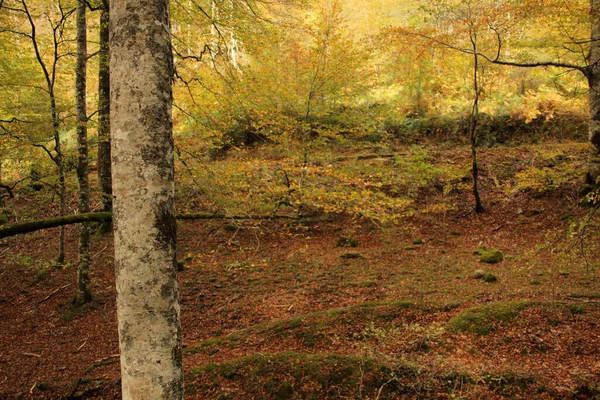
319, 376
484, 319
290, 375
315, 326
489, 256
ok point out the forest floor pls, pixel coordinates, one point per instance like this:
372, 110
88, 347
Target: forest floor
335, 306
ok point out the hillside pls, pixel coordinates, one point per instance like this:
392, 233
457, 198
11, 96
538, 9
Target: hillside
339, 306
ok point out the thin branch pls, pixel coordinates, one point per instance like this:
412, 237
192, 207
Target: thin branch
92, 55
497, 60
93, 8
13, 119
43, 147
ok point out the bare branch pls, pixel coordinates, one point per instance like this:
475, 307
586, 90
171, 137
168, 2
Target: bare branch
14, 119
92, 55
43, 147
94, 8
496, 60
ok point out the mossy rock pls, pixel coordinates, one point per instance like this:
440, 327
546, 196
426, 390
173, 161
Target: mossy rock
478, 274
490, 278
489, 256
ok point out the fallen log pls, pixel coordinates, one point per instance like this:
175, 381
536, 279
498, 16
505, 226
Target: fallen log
32, 226
237, 217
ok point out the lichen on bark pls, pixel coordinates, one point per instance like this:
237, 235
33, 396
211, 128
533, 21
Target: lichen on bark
144, 213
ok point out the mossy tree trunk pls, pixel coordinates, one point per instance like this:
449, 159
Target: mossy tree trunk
83, 295
593, 76
104, 174
143, 200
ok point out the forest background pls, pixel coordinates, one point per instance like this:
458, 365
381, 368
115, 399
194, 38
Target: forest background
304, 75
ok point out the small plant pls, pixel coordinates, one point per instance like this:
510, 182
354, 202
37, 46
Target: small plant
347, 241
41, 274
576, 309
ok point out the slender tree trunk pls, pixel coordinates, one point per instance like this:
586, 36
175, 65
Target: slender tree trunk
143, 189
83, 295
473, 120
62, 191
104, 175
594, 75
1, 184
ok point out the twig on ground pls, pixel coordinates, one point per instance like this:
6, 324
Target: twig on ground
80, 347
582, 299
32, 355
53, 293
98, 253
106, 358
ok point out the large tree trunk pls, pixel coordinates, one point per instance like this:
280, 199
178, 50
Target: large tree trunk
104, 177
143, 190
83, 295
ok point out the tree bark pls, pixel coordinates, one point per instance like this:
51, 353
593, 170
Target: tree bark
104, 175
143, 202
83, 295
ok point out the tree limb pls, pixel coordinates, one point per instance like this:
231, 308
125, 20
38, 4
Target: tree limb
32, 226
8, 189
496, 60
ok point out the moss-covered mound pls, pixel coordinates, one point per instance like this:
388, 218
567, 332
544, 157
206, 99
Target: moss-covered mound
315, 327
291, 375
484, 319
